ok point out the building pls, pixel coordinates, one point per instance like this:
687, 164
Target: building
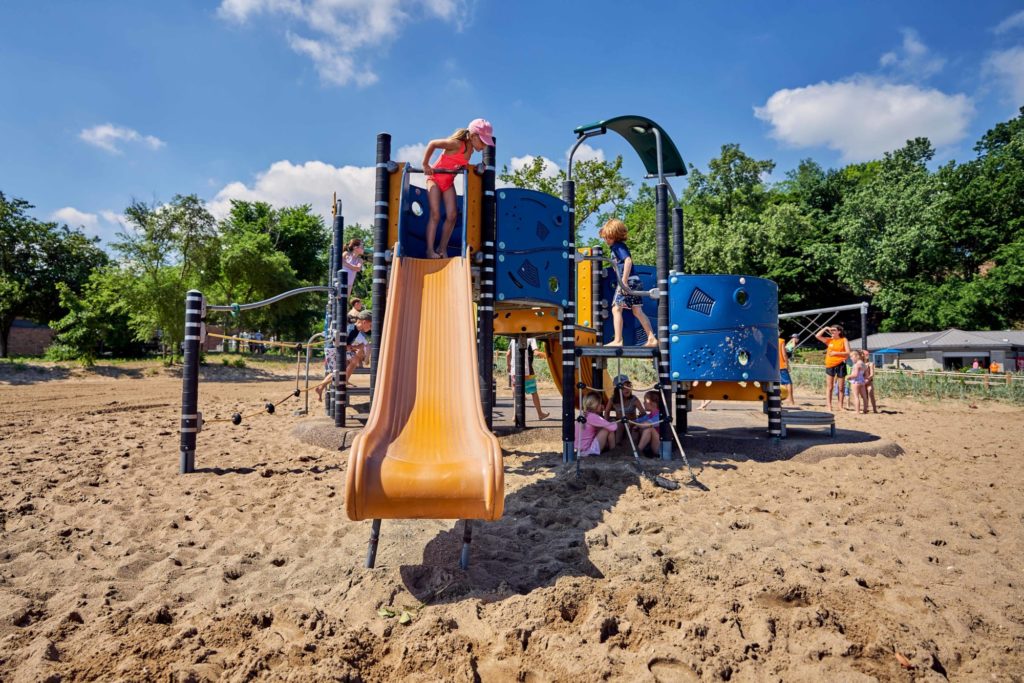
28, 338
949, 350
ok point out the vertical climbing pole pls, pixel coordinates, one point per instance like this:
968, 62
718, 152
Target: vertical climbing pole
775, 410
521, 357
337, 244
661, 225
380, 245
864, 326
485, 311
569, 329
190, 381
681, 393
597, 310
340, 339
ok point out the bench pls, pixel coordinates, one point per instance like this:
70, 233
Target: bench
808, 418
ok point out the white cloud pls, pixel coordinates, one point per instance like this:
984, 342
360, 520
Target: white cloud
313, 183
334, 68
1008, 67
341, 32
1009, 23
411, 153
107, 136
550, 169
913, 60
586, 153
863, 117
76, 219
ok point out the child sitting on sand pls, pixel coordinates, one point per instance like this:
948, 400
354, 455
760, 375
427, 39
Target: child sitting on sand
625, 404
650, 438
596, 434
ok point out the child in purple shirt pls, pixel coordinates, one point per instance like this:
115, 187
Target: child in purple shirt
649, 435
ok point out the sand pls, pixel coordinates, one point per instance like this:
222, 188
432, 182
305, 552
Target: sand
114, 567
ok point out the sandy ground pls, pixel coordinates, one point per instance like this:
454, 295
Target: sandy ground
114, 567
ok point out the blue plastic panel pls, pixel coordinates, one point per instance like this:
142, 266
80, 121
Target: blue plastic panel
723, 328
533, 247
632, 332
412, 229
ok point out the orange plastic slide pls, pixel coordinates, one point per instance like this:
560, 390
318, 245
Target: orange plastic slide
426, 452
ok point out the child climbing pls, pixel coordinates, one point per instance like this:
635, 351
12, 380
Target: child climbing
456, 153
355, 352
352, 260
595, 434
614, 234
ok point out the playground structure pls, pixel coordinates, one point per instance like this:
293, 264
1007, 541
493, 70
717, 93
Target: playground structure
427, 449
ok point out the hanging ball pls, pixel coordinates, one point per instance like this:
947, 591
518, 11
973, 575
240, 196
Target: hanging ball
270, 407
236, 418
296, 393
581, 385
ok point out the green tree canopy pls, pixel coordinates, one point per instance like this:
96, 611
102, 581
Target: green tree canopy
35, 259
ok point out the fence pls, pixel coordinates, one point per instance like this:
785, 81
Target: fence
928, 384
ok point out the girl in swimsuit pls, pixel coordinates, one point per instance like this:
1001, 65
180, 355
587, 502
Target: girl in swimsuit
456, 152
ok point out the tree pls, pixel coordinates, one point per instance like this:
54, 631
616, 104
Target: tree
95, 322
598, 184
164, 251
35, 257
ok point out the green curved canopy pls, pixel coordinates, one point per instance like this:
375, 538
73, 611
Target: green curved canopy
637, 131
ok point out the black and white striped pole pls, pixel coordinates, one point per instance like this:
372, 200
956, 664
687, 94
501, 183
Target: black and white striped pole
678, 256
520, 358
569, 328
485, 311
380, 246
661, 225
597, 310
341, 348
190, 420
775, 410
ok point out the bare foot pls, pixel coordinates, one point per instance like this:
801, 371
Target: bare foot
543, 416
433, 254
319, 393
614, 342
651, 341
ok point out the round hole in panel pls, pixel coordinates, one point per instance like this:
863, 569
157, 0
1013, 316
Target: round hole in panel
553, 284
742, 357
741, 297
416, 208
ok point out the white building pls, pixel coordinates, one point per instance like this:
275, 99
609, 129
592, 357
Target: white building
949, 350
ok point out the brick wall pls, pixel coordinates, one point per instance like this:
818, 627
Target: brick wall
28, 339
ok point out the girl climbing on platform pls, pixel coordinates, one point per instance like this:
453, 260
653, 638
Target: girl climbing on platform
352, 260
595, 434
456, 153
614, 235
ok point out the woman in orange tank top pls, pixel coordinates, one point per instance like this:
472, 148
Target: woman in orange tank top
836, 352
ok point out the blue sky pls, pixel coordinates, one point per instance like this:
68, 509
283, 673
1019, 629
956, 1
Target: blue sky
281, 100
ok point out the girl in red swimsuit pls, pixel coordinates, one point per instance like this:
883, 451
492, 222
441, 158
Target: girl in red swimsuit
457, 151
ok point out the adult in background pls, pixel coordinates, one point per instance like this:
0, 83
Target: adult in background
530, 382
837, 350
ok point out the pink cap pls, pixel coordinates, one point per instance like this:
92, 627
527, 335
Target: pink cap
482, 127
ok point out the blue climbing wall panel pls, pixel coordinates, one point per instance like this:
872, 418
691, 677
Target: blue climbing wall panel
533, 247
412, 228
632, 332
723, 328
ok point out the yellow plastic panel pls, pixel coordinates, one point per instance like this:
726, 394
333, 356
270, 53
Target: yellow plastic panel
726, 391
584, 293
425, 452
394, 199
530, 321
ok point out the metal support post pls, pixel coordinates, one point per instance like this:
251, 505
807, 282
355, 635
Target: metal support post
340, 344
569, 330
190, 381
661, 225
380, 245
485, 311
